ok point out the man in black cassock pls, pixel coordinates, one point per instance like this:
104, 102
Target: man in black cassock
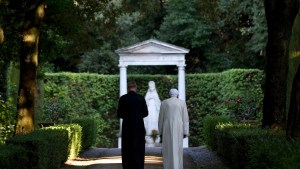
132, 109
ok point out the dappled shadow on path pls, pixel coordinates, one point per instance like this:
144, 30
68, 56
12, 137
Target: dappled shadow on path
110, 158
109, 162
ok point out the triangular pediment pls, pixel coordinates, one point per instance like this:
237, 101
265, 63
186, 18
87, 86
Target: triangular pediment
152, 46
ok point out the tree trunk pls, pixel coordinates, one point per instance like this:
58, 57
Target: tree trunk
28, 65
280, 17
293, 127
1, 35
2, 67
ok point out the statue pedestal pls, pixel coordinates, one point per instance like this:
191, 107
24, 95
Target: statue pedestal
153, 145
150, 142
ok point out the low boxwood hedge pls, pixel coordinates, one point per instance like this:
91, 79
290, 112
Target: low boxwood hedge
89, 131
74, 139
209, 125
13, 157
46, 148
244, 146
273, 153
233, 142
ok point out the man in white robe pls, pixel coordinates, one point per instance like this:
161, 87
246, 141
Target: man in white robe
173, 126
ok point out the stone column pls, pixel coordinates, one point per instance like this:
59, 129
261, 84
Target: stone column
181, 90
123, 90
181, 81
123, 80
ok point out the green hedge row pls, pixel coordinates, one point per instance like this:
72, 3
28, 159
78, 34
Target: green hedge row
46, 148
275, 153
89, 131
13, 157
74, 138
243, 146
210, 122
69, 95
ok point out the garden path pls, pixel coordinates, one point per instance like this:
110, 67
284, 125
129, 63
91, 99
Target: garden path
110, 158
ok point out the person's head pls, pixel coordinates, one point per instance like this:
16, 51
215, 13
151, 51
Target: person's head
131, 86
173, 92
151, 85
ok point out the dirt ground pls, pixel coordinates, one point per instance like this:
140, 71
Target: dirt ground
110, 158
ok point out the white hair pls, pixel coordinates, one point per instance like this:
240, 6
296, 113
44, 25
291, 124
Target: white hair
173, 92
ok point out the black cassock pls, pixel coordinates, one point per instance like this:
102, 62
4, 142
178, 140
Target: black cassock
132, 109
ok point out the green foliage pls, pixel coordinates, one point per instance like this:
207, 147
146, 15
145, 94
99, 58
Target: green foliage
53, 110
274, 153
258, 28
8, 104
96, 96
89, 131
220, 34
184, 21
202, 92
11, 15
209, 125
47, 149
233, 142
83, 95
7, 119
101, 60
210, 93
294, 57
243, 31
148, 18
74, 139
246, 146
237, 100
13, 157
184, 25
62, 27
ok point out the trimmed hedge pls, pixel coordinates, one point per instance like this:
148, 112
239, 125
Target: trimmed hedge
236, 92
13, 157
210, 122
74, 139
89, 131
242, 146
273, 153
233, 142
46, 148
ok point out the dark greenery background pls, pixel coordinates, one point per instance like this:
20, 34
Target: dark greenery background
235, 92
82, 37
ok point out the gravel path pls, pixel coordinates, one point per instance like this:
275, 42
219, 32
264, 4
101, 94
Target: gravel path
110, 158
204, 158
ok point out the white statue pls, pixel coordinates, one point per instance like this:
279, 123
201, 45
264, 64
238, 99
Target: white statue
153, 103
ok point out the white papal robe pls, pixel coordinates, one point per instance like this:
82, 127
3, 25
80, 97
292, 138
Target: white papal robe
173, 124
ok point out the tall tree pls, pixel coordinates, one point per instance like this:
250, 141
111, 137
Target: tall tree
2, 77
220, 34
293, 93
1, 35
183, 25
10, 13
34, 14
293, 125
280, 17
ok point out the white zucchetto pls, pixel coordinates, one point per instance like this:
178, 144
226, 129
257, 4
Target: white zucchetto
173, 92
